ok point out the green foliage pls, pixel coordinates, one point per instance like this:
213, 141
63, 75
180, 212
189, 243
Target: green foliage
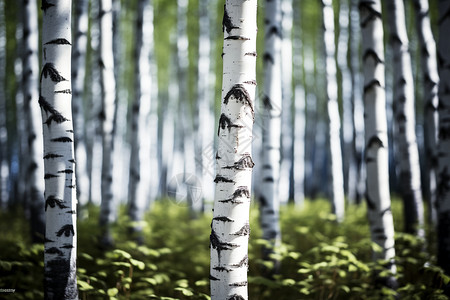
320, 259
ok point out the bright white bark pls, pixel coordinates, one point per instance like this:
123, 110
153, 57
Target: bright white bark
108, 88
140, 140
378, 195
230, 227
286, 114
35, 173
443, 170
78, 79
60, 193
405, 121
269, 198
4, 167
431, 100
337, 176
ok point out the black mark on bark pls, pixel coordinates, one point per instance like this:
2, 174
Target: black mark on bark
242, 263
45, 5
243, 283
235, 297
244, 162
52, 155
67, 230
48, 176
371, 84
52, 201
62, 139
222, 179
213, 278
223, 219
59, 42
239, 92
54, 250
55, 116
237, 37
50, 70
225, 122
372, 53
245, 230
226, 22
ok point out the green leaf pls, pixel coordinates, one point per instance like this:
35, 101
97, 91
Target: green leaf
137, 263
122, 254
84, 286
201, 282
5, 265
185, 291
112, 292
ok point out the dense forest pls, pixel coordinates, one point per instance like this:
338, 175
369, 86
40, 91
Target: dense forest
206, 149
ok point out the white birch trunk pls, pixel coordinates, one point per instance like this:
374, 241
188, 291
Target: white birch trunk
337, 176
108, 88
286, 114
357, 100
405, 121
443, 170
140, 147
298, 143
378, 195
4, 166
431, 101
230, 227
60, 192
78, 78
35, 172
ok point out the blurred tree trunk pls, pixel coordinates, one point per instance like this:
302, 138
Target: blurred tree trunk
286, 166
59, 157
358, 105
334, 125
108, 88
348, 130
443, 170
4, 157
230, 227
78, 76
298, 145
35, 169
137, 192
204, 120
431, 100
269, 198
405, 122
378, 195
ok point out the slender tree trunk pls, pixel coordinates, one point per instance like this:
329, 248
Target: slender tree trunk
431, 100
108, 88
443, 170
4, 167
138, 162
358, 105
405, 121
78, 77
337, 176
60, 192
299, 110
378, 196
269, 198
286, 114
230, 227
35, 172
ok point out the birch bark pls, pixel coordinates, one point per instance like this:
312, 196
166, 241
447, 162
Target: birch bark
230, 227
60, 193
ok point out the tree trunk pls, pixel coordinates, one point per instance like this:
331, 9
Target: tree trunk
230, 227
60, 192
337, 176
269, 198
137, 193
358, 105
78, 77
286, 114
443, 170
108, 88
298, 133
405, 121
378, 196
431, 100
4, 157
35, 183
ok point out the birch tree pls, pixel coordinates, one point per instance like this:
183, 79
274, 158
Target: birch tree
230, 227
35, 183
405, 121
269, 197
337, 176
141, 106
78, 77
4, 167
378, 195
108, 88
60, 193
443, 170
431, 100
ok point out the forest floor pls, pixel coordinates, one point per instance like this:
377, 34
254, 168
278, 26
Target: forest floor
320, 259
